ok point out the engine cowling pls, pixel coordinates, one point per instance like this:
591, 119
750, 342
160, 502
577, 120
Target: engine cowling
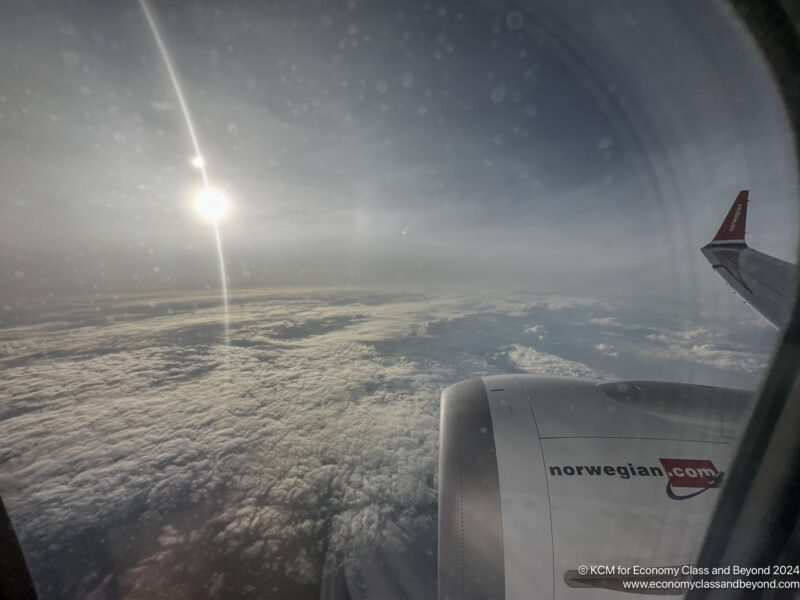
541, 476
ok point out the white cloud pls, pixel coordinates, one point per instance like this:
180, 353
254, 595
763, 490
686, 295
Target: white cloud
708, 346
540, 331
607, 349
531, 360
199, 470
603, 321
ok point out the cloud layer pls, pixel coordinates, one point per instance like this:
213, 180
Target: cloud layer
143, 458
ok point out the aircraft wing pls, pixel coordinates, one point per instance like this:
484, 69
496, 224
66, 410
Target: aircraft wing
766, 283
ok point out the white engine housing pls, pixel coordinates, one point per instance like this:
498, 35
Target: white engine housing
540, 476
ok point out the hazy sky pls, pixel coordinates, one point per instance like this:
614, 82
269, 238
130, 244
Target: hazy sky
574, 147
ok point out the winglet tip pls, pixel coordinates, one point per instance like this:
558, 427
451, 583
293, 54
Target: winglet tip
732, 229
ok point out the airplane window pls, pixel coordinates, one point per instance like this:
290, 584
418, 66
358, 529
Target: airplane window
365, 299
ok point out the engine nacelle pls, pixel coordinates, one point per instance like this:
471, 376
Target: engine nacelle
539, 477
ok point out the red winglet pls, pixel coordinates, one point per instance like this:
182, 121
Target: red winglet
732, 229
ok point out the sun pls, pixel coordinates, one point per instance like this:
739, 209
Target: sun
211, 204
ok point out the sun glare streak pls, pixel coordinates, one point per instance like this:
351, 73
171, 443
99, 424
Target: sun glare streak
224, 280
209, 202
175, 84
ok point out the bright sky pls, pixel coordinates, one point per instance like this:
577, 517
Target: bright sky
565, 147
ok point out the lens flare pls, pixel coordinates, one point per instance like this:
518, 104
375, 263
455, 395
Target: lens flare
209, 202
